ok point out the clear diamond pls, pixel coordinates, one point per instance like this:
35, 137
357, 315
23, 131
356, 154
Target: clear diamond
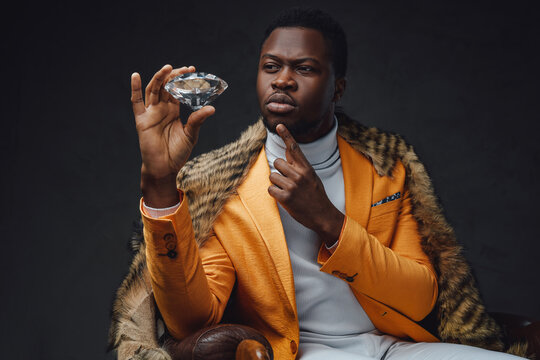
196, 89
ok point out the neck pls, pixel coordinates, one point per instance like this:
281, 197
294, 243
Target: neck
316, 151
317, 132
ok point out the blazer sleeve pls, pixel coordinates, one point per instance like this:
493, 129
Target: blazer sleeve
191, 285
399, 275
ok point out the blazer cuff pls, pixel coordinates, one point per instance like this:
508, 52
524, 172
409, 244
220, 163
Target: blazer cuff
176, 223
326, 252
348, 249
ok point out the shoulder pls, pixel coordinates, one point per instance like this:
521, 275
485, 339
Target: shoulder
210, 179
388, 152
223, 167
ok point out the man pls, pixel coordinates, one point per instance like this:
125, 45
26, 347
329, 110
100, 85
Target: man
330, 245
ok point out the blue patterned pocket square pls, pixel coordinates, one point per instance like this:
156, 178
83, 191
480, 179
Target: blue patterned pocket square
388, 199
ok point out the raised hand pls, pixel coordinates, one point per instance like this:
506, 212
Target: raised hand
165, 142
301, 192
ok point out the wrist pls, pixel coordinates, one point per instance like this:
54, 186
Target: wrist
331, 228
159, 192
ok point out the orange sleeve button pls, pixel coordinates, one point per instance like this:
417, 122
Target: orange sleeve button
294, 347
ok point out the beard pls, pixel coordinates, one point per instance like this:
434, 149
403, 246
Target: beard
296, 129
299, 129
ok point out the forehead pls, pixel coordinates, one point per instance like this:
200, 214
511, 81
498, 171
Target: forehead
295, 43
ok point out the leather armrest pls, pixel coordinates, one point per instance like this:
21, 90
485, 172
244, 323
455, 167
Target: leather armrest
518, 328
219, 342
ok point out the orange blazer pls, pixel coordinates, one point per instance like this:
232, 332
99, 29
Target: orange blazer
246, 259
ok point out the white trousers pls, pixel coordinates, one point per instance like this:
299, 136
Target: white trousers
375, 345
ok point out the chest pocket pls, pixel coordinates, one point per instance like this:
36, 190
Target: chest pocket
383, 220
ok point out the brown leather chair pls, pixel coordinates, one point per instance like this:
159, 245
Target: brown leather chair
237, 342
520, 329
221, 342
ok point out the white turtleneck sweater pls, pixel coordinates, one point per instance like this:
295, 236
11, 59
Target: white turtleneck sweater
325, 303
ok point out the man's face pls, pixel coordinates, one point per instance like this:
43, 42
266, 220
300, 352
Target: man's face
296, 83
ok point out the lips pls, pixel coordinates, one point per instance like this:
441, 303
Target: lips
280, 103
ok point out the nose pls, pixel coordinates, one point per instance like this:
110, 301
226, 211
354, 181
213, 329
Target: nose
284, 80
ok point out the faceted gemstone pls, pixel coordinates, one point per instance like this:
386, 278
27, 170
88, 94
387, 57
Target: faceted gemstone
196, 89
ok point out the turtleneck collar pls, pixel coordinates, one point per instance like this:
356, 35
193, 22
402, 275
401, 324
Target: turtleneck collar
318, 152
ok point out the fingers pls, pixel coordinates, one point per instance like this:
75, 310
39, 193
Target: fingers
281, 188
286, 169
136, 94
174, 109
195, 121
197, 117
180, 71
155, 85
155, 90
281, 181
293, 152
279, 194
165, 96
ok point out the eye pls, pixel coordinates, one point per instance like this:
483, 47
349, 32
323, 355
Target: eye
305, 69
270, 67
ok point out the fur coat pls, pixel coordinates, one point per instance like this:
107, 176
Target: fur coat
208, 180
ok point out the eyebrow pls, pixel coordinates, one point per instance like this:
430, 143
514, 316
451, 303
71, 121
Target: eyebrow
296, 61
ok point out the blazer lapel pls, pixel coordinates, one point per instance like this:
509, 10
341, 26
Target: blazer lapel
358, 178
263, 210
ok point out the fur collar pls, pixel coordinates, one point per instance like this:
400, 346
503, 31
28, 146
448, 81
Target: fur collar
209, 179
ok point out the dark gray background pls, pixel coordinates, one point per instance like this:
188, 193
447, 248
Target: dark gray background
459, 80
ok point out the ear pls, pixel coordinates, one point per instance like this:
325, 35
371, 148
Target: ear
340, 85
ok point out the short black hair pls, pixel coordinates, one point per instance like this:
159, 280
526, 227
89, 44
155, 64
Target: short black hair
316, 19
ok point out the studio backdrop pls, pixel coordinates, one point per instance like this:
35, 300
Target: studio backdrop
458, 80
